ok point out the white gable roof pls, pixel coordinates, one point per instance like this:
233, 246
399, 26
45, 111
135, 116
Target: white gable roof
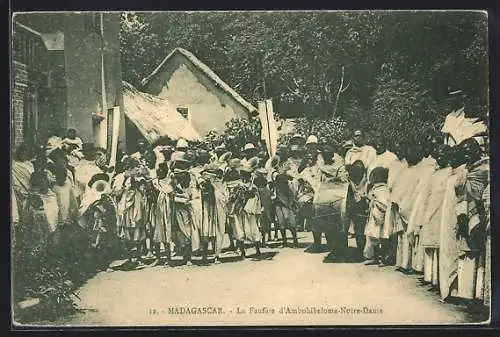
207, 71
53, 41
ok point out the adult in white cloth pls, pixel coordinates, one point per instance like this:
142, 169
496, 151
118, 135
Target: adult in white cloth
360, 151
383, 157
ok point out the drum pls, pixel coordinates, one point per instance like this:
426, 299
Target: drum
327, 206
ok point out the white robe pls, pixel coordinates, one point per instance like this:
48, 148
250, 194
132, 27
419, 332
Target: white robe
14, 208
84, 170
66, 200
384, 160
366, 154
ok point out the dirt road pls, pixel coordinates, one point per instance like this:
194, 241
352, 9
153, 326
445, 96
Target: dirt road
290, 287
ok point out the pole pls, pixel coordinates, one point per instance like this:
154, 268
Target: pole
103, 131
267, 115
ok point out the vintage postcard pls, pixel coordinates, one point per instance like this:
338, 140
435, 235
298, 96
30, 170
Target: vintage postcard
255, 168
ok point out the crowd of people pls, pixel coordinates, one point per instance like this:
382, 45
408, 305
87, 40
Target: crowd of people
422, 208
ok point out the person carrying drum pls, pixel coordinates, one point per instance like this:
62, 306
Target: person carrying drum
183, 226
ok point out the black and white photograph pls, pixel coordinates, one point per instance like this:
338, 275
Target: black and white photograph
250, 168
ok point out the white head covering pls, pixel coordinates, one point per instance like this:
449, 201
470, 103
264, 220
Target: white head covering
181, 143
249, 146
312, 140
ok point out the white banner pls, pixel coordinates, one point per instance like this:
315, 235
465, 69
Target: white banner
115, 135
269, 131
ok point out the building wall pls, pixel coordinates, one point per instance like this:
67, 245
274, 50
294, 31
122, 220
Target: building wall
52, 101
114, 69
20, 85
83, 74
185, 86
28, 52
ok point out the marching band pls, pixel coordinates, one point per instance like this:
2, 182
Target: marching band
422, 209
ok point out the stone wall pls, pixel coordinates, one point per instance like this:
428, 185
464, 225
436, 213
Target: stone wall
20, 84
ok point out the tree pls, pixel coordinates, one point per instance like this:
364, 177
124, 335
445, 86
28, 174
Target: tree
387, 58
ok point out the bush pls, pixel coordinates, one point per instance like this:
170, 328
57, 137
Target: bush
238, 132
53, 273
329, 131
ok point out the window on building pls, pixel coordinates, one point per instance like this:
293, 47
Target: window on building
184, 112
27, 48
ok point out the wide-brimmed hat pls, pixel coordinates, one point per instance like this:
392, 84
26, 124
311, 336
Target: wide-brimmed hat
274, 161
180, 161
298, 139
97, 178
233, 183
211, 169
179, 156
261, 171
99, 184
179, 170
235, 163
251, 165
220, 147
225, 157
358, 133
348, 144
181, 144
312, 140
249, 147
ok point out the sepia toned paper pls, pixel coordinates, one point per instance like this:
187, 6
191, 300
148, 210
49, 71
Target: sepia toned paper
125, 81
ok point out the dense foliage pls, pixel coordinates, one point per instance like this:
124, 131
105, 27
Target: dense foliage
331, 131
53, 271
238, 132
397, 68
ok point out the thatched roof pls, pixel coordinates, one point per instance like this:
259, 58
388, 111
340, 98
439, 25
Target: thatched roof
155, 117
208, 72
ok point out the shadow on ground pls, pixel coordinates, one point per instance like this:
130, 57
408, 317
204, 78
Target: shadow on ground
264, 256
351, 255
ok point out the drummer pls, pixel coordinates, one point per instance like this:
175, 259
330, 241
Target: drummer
291, 167
183, 227
328, 195
249, 151
331, 154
